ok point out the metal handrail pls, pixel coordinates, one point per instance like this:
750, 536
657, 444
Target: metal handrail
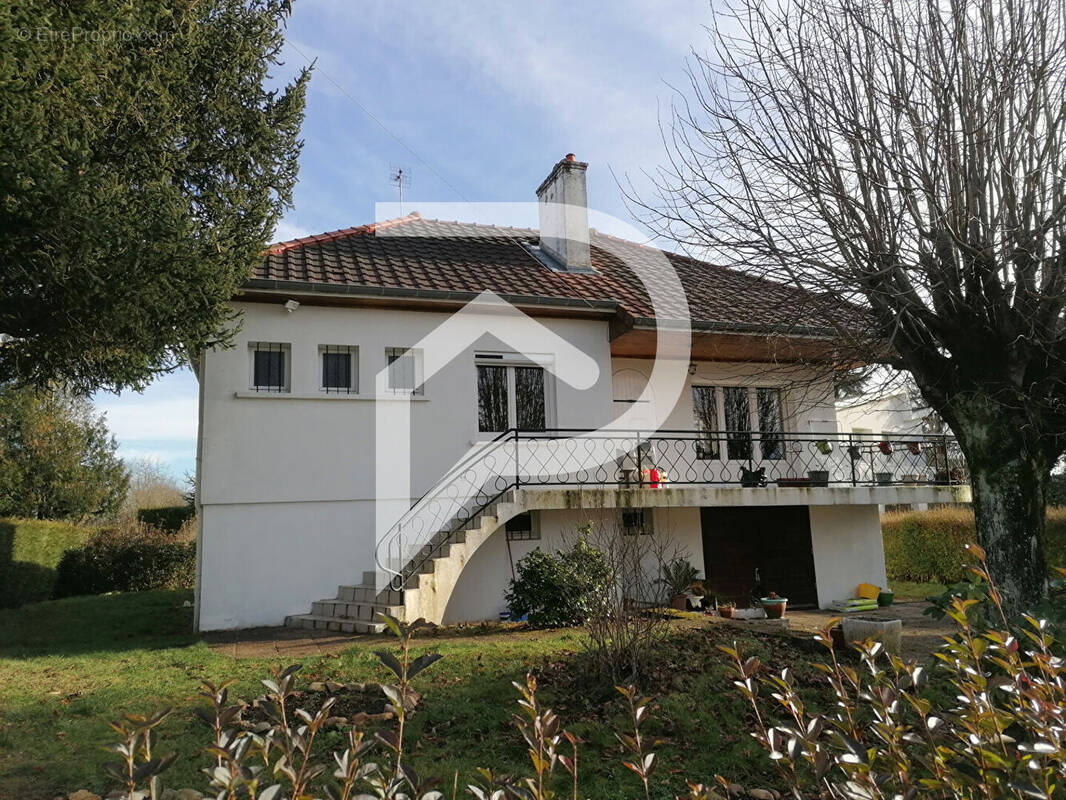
655, 459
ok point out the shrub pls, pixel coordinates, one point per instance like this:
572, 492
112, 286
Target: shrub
127, 559
998, 732
30, 549
169, 518
559, 589
929, 546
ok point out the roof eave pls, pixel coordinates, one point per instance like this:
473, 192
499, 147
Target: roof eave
403, 295
745, 328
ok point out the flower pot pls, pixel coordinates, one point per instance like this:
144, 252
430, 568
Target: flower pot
819, 477
883, 478
774, 606
725, 612
793, 482
884, 599
679, 602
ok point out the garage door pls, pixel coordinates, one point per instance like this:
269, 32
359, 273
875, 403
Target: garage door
775, 541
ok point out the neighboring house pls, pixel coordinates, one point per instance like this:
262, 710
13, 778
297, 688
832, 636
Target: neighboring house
889, 417
884, 416
286, 468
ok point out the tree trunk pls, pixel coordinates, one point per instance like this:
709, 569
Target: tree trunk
1009, 472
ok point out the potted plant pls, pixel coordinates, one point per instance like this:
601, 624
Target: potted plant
725, 610
677, 578
699, 594
773, 605
820, 477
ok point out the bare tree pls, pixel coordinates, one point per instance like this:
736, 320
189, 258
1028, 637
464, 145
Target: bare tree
625, 627
906, 156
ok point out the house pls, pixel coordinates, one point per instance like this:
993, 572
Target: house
512, 435
893, 413
890, 416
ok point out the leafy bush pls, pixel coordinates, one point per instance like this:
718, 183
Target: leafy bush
999, 733
563, 588
30, 549
169, 518
929, 546
127, 559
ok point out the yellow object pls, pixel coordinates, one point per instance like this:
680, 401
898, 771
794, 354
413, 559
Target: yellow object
868, 591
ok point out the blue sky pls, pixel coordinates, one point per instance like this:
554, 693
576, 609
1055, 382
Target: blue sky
476, 100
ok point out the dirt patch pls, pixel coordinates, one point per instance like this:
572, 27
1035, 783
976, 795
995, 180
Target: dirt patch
922, 635
353, 704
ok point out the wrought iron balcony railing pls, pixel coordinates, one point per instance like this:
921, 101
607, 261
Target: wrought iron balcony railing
666, 458
657, 460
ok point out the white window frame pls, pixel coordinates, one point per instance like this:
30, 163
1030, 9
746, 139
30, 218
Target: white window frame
753, 412
510, 361
283, 347
415, 353
353, 354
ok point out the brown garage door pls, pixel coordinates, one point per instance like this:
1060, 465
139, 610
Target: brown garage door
774, 540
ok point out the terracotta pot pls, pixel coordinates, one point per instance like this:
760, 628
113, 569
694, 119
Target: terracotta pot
725, 612
679, 602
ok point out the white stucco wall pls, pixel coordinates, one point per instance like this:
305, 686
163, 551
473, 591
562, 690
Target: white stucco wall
848, 550
287, 480
479, 595
891, 414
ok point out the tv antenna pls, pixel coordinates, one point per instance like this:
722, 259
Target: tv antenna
401, 179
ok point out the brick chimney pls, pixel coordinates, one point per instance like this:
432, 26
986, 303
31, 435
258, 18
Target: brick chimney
564, 218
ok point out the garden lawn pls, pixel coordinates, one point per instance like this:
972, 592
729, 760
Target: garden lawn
70, 666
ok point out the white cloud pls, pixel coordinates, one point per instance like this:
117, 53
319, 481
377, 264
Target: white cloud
286, 231
151, 418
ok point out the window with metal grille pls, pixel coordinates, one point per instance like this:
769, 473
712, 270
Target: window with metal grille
636, 522
405, 370
521, 529
340, 368
270, 368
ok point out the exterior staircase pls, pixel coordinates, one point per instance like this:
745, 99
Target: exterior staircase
427, 581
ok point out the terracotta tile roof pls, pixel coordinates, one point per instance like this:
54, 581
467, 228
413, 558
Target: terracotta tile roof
414, 253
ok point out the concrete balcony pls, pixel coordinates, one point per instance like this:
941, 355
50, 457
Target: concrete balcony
558, 498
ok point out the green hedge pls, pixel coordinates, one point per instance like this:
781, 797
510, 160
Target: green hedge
927, 546
126, 567
167, 518
29, 552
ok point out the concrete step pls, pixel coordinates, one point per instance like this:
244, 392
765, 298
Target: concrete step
335, 607
368, 594
318, 622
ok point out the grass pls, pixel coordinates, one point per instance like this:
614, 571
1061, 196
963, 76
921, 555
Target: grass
29, 552
72, 665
